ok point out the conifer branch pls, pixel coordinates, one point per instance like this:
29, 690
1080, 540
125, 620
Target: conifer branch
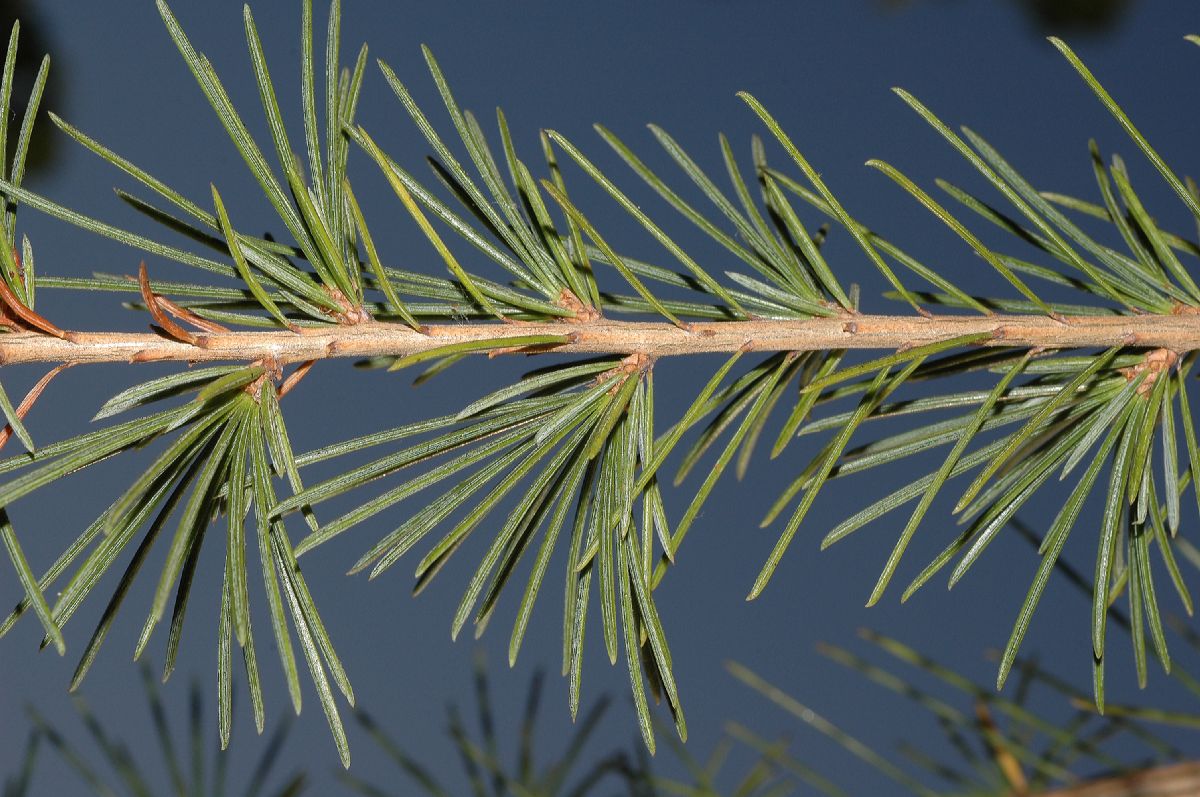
1176, 332
576, 445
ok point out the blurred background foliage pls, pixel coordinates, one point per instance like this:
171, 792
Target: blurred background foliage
1058, 17
36, 40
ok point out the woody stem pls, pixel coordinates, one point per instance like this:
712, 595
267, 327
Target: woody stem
1174, 332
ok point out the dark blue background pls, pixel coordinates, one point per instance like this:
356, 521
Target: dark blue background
824, 70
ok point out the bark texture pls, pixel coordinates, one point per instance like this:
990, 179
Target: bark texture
1176, 333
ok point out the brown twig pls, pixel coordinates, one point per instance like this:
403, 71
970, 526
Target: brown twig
1178, 780
1177, 333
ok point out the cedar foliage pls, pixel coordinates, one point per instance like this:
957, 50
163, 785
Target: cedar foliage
1094, 390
